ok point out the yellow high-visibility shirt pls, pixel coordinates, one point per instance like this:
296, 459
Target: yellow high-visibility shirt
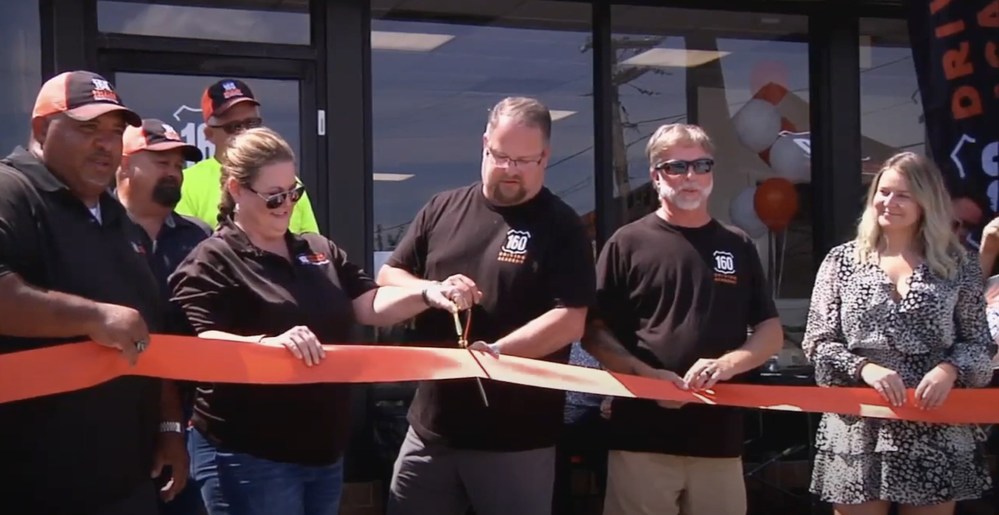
202, 191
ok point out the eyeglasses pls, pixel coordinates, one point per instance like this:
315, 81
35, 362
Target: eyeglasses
510, 162
239, 125
680, 167
276, 200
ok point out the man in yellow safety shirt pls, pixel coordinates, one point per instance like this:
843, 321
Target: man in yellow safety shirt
229, 108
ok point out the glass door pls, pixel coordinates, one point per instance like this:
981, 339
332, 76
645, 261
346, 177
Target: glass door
169, 87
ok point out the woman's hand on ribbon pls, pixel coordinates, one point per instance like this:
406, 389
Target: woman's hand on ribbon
935, 386
302, 343
887, 382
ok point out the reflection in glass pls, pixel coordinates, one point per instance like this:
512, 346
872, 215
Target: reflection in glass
251, 21
891, 118
21, 68
433, 84
744, 78
176, 99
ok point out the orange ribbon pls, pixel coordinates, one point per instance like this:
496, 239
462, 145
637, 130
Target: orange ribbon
65, 368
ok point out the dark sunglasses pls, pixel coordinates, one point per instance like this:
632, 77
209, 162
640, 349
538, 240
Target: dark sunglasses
239, 125
275, 200
680, 167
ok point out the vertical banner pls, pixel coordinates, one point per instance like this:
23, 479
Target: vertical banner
955, 48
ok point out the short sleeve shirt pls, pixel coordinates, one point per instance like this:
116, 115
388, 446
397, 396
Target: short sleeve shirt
95, 445
526, 259
672, 295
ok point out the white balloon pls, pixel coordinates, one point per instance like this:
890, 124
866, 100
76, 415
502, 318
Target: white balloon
743, 213
790, 161
757, 124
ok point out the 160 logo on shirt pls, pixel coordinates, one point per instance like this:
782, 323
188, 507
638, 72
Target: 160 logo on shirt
724, 267
514, 249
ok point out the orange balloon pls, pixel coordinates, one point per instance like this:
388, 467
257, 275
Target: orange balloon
776, 202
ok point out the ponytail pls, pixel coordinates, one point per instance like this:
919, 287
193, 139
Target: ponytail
227, 207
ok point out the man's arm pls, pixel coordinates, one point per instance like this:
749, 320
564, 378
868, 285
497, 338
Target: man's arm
170, 406
170, 448
767, 339
601, 344
27, 311
545, 334
988, 249
392, 276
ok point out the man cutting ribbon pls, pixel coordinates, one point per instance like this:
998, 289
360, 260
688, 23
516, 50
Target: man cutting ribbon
529, 255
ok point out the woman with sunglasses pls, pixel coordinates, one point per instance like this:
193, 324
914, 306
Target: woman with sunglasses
266, 449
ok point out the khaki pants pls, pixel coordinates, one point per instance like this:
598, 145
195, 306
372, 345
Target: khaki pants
640, 483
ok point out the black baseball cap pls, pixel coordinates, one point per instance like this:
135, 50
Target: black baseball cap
156, 136
81, 95
222, 95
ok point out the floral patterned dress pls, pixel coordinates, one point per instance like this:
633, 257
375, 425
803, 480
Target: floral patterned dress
853, 319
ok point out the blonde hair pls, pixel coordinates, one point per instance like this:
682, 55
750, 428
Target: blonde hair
934, 236
528, 111
247, 153
673, 135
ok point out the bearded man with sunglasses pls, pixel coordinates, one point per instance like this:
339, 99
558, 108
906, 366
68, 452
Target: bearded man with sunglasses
229, 107
677, 292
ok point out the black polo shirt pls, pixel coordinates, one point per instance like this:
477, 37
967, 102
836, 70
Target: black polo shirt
672, 295
177, 238
228, 284
74, 452
526, 259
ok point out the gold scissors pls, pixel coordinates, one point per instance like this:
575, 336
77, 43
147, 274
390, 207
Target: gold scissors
463, 343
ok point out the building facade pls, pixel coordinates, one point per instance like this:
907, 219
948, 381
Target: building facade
385, 100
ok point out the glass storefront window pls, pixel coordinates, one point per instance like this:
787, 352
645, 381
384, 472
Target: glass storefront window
433, 83
20, 45
891, 112
744, 78
251, 21
175, 99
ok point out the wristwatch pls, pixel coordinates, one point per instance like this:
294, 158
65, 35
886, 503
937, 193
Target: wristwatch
171, 427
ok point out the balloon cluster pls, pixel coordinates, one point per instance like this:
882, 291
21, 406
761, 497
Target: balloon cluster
761, 128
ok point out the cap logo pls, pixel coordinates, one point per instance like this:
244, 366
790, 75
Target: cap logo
102, 91
170, 133
229, 90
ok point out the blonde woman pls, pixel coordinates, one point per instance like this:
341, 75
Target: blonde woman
900, 307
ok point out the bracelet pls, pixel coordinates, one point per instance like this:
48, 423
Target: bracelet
423, 294
171, 427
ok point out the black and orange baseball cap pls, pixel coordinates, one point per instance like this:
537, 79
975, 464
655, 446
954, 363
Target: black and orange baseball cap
156, 136
224, 94
81, 95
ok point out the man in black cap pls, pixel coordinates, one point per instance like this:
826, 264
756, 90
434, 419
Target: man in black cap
148, 186
229, 107
71, 270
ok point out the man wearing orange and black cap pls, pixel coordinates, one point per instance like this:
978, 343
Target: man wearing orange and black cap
72, 271
148, 186
229, 107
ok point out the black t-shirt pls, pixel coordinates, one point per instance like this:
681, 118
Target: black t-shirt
82, 450
228, 284
526, 259
672, 295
